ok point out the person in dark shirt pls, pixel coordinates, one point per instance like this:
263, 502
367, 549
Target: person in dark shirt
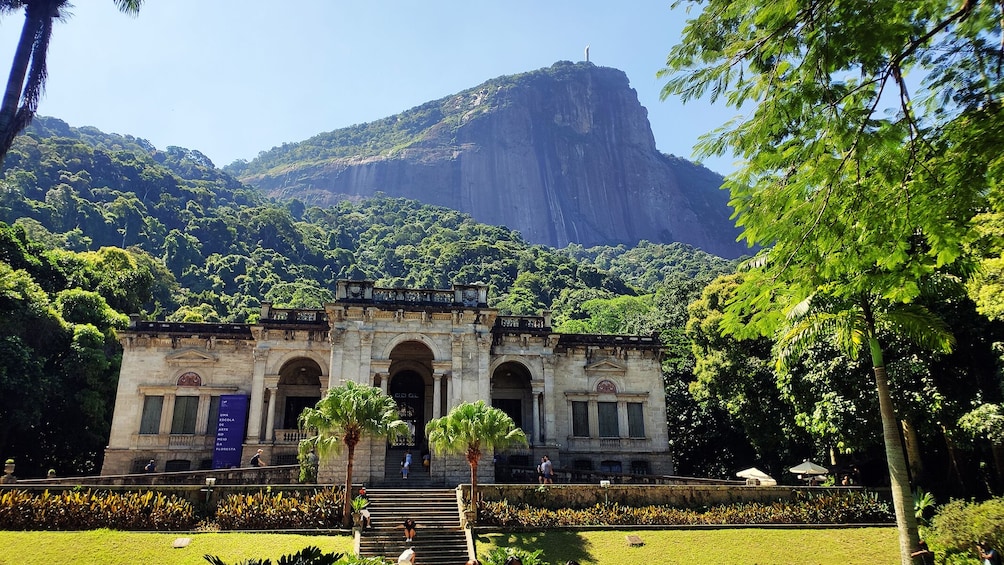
409, 529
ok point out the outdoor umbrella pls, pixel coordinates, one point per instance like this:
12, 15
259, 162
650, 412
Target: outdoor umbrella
754, 473
809, 468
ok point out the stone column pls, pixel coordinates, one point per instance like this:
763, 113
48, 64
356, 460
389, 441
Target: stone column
594, 418
437, 404
337, 339
622, 419
457, 372
538, 429
253, 434
167, 414
202, 419
365, 356
550, 401
270, 421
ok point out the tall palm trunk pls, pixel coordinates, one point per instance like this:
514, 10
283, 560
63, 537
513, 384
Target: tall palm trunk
347, 507
31, 50
902, 497
474, 484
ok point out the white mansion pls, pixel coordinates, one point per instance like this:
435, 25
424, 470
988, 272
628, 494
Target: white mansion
194, 396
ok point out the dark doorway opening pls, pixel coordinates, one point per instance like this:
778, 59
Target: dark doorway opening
407, 388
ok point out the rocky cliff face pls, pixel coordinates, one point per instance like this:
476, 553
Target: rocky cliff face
563, 154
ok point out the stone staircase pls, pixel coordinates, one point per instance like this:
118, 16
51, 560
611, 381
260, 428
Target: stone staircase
439, 538
418, 476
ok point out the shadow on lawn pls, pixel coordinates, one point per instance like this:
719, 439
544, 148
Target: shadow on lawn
558, 546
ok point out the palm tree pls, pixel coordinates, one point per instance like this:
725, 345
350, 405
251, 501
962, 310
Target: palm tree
343, 417
853, 327
472, 429
28, 71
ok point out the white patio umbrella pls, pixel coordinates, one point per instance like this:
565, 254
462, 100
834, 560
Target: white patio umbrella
754, 473
809, 468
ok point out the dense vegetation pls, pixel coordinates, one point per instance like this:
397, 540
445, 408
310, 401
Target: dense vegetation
831, 508
166, 235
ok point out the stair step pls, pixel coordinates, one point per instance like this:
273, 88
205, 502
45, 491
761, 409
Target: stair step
439, 539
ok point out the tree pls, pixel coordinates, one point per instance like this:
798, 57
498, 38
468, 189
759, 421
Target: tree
471, 429
28, 71
862, 189
343, 417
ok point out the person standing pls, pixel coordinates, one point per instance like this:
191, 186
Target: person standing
313, 461
406, 464
988, 554
151, 467
256, 459
547, 469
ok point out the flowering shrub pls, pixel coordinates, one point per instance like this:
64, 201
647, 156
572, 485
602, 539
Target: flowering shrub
87, 510
840, 508
281, 511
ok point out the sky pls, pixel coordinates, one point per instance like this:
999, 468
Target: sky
231, 78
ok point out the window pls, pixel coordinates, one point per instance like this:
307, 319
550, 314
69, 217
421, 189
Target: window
610, 466
214, 416
636, 419
150, 423
607, 413
639, 468
186, 408
580, 419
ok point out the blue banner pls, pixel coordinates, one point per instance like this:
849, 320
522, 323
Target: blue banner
230, 431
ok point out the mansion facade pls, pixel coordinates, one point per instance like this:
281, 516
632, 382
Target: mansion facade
202, 396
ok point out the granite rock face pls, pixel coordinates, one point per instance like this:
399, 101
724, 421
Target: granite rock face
563, 155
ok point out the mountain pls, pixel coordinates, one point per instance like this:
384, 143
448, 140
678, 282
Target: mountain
563, 155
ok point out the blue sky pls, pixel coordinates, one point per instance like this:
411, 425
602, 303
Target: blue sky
231, 78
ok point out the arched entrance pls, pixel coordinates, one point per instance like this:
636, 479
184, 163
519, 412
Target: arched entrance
298, 387
513, 394
410, 386
407, 388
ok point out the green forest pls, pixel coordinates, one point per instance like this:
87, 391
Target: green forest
100, 227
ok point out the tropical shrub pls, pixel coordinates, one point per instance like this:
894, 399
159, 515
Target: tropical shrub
959, 524
88, 510
267, 511
841, 508
310, 555
499, 555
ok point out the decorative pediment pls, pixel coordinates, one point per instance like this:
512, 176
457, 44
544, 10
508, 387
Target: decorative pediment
190, 356
606, 367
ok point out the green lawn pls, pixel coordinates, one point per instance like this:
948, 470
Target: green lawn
697, 547
106, 547
864, 546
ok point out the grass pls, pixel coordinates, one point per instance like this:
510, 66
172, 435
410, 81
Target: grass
849, 546
697, 547
108, 547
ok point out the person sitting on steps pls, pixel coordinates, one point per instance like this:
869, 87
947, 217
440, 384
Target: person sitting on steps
409, 529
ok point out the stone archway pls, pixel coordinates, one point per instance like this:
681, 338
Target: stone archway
513, 394
410, 385
299, 387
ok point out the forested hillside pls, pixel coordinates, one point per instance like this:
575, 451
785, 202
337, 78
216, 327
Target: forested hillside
166, 235
224, 248
107, 226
